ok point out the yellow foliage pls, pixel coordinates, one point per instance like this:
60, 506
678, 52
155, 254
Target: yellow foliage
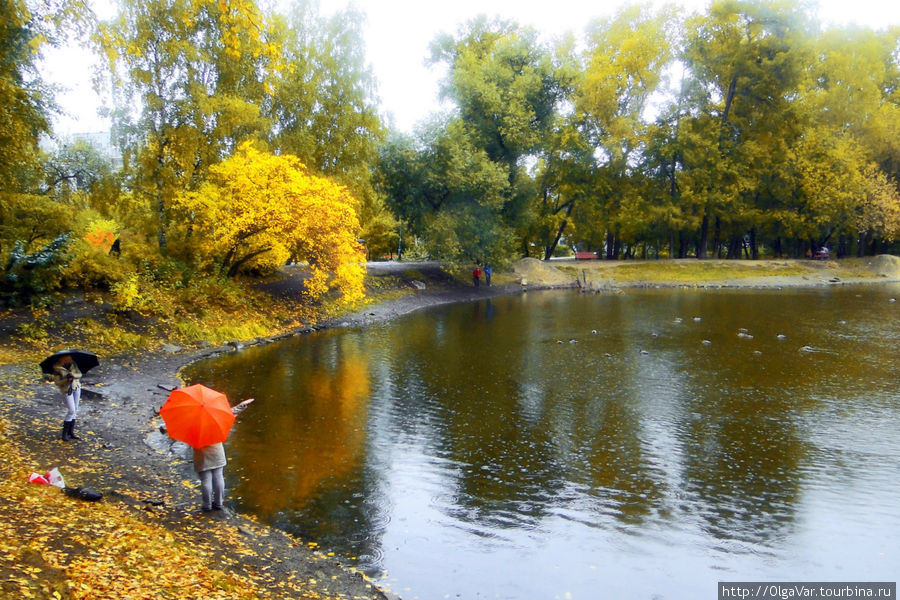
257, 210
127, 294
101, 234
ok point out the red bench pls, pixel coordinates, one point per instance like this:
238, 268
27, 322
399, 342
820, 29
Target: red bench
585, 255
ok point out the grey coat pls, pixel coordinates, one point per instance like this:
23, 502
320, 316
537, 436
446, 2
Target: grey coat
209, 457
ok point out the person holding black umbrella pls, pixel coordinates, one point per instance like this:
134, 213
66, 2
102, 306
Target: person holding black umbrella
67, 377
66, 368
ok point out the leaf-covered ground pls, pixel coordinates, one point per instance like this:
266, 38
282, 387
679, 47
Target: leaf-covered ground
146, 538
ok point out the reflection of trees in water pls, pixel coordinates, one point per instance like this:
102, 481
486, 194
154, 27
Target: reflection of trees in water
514, 429
522, 414
306, 431
742, 453
742, 468
459, 375
621, 477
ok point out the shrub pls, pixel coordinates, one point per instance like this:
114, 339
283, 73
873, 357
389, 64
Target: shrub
94, 268
27, 275
32, 332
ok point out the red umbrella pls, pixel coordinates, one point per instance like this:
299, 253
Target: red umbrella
197, 415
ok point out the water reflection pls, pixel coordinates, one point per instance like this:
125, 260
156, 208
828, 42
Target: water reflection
518, 446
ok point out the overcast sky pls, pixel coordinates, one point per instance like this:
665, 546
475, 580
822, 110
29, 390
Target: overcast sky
398, 34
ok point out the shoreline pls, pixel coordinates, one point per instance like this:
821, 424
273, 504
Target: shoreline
134, 465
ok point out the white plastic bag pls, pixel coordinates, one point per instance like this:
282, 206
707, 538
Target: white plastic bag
51, 477
55, 478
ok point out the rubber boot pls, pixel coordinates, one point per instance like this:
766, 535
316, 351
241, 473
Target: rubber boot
65, 432
72, 430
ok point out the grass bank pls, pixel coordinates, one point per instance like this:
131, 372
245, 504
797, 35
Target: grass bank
727, 273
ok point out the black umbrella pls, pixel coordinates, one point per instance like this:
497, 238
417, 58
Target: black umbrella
84, 360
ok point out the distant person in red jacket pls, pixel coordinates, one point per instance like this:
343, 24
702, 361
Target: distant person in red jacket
476, 276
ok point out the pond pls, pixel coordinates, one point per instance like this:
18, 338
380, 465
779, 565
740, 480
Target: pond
565, 445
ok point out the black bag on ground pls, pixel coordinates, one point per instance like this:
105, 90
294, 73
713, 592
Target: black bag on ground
83, 493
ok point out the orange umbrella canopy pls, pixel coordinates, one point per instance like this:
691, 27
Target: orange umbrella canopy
197, 415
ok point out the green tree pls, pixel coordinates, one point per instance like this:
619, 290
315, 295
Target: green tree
74, 171
324, 109
746, 61
565, 178
190, 79
449, 192
33, 228
26, 100
623, 65
507, 88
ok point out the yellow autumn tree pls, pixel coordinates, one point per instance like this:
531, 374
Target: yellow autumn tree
258, 210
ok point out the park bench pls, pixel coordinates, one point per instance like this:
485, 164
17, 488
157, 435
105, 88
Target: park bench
585, 255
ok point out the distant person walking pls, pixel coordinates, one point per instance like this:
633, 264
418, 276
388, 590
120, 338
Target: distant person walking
487, 274
476, 276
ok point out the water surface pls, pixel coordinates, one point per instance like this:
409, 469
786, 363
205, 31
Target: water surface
566, 445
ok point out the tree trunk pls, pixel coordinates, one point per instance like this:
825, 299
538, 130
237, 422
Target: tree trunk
873, 242
161, 219
717, 238
734, 247
754, 248
704, 237
548, 252
683, 244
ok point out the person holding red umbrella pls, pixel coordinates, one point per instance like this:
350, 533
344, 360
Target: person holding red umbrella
209, 464
202, 417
